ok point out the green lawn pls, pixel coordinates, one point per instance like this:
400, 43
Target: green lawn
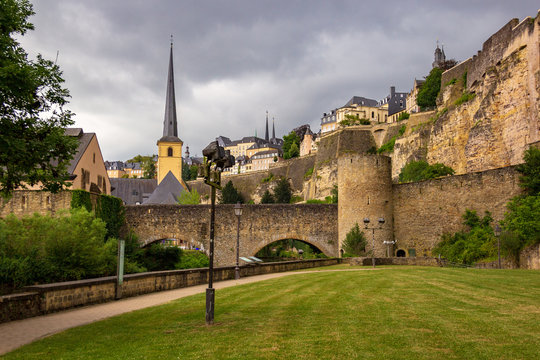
391, 313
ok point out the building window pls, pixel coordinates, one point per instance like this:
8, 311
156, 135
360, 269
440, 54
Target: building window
169, 151
94, 158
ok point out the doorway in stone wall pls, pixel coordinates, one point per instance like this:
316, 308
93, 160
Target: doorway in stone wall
400, 253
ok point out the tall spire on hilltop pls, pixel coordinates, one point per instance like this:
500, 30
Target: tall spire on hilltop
266, 133
273, 131
170, 127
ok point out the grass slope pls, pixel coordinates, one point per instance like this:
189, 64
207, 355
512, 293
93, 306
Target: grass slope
392, 313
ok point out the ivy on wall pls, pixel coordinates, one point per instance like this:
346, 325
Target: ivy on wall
81, 199
110, 209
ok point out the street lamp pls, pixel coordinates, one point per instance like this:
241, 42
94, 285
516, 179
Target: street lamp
497, 232
216, 159
366, 222
238, 213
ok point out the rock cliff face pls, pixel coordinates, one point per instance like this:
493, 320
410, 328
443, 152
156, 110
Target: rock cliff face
499, 123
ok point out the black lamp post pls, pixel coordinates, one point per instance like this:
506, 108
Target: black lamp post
497, 232
215, 160
238, 213
366, 222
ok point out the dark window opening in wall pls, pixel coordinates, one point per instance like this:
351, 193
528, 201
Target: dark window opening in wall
94, 158
400, 253
24, 202
169, 152
412, 252
401, 103
373, 114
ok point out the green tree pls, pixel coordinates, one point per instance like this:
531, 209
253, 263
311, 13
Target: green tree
32, 114
421, 170
283, 192
427, 95
288, 141
189, 197
267, 198
530, 171
149, 169
469, 246
355, 242
230, 195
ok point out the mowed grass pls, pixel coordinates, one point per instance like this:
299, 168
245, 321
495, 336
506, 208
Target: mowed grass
389, 313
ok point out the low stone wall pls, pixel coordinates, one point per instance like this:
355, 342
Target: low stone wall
367, 261
48, 298
530, 258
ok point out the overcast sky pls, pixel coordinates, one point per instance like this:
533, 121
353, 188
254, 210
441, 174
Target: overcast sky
236, 59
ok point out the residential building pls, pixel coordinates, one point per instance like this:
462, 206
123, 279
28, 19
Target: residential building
308, 144
397, 103
412, 107
263, 159
329, 122
115, 169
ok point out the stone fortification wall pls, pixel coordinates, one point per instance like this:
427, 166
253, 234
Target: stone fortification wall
423, 211
530, 258
27, 202
260, 225
493, 129
365, 191
48, 298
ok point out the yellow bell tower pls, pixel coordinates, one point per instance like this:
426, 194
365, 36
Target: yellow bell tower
170, 146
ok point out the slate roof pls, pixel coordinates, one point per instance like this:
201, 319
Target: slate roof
84, 141
133, 191
167, 192
360, 100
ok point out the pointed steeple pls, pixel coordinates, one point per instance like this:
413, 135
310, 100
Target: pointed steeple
170, 126
266, 133
273, 131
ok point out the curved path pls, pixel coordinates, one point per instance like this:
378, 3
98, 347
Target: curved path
17, 333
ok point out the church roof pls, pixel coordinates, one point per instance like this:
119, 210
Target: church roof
167, 192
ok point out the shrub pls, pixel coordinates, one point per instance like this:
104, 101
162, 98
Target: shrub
466, 96
530, 171
267, 198
403, 116
469, 246
308, 173
189, 197
288, 142
192, 259
230, 195
389, 146
427, 95
111, 210
283, 192
421, 170
355, 241
159, 257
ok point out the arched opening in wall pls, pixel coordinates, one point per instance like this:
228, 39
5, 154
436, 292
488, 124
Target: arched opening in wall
169, 152
400, 253
289, 249
171, 254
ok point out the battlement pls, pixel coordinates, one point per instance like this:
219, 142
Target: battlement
511, 37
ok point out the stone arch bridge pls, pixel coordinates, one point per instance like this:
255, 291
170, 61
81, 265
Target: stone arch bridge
260, 225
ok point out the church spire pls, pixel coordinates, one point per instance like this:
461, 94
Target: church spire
170, 127
273, 131
266, 133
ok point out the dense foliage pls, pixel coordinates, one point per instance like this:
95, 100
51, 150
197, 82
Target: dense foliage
427, 95
289, 249
32, 113
230, 195
189, 172
283, 191
192, 259
467, 247
355, 242
267, 198
160, 257
148, 165
351, 120
421, 170
403, 116
110, 209
389, 146
43, 249
191, 197
290, 151
530, 172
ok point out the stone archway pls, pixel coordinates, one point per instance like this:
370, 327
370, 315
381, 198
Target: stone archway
401, 253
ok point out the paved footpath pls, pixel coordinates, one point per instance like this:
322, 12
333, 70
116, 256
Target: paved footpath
17, 333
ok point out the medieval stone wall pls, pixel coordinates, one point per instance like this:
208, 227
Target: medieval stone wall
423, 211
260, 225
27, 202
